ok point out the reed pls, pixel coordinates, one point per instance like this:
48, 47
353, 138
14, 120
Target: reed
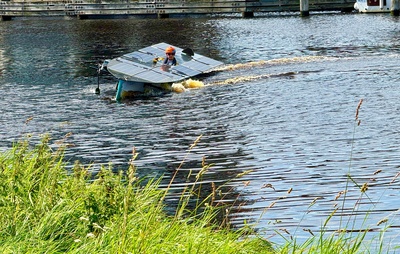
46, 208
346, 238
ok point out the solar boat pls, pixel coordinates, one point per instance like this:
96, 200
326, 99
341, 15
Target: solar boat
142, 72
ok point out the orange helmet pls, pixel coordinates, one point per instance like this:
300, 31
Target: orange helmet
170, 50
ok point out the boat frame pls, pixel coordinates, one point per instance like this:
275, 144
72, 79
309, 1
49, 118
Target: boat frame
143, 72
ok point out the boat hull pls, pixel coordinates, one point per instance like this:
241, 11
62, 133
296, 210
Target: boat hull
373, 6
144, 73
131, 89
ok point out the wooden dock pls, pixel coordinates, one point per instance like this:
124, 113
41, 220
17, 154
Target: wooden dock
158, 8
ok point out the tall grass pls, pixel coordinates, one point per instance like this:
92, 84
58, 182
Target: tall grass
346, 238
47, 209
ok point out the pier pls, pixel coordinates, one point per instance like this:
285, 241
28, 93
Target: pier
84, 9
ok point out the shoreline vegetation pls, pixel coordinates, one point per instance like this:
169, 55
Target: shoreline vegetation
47, 208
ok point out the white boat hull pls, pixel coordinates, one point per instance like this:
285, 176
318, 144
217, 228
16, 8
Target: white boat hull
373, 6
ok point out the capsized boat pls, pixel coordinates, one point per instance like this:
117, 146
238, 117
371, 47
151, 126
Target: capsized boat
142, 72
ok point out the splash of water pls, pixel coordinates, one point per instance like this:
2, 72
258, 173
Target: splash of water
187, 84
193, 84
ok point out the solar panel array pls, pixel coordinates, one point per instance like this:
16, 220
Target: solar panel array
139, 66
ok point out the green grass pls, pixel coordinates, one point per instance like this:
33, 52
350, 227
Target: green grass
346, 239
47, 209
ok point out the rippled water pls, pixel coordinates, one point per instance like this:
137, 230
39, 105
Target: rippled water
283, 107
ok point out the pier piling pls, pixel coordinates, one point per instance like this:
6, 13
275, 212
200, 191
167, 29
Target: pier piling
5, 18
395, 8
163, 15
247, 14
304, 8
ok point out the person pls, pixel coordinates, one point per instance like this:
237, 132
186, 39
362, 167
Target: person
170, 59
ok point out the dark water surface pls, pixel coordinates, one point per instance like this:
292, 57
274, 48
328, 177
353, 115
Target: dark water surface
283, 107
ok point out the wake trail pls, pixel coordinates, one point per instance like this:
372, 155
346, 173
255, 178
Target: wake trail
242, 79
280, 61
194, 84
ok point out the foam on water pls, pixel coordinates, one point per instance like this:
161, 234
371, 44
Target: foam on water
303, 59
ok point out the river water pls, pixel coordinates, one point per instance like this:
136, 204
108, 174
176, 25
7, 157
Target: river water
282, 111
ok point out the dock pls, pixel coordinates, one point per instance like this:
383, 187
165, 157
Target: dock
84, 9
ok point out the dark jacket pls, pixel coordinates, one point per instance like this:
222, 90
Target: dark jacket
173, 61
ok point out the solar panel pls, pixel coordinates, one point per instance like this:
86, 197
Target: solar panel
139, 65
209, 61
142, 57
195, 65
183, 70
123, 68
154, 76
152, 51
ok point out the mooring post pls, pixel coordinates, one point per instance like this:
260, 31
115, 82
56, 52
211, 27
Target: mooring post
304, 11
395, 8
162, 15
82, 16
247, 14
5, 18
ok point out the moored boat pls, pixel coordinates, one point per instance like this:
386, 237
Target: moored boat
373, 6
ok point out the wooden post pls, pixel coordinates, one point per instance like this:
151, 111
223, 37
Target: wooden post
162, 15
395, 7
304, 9
82, 16
247, 14
5, 18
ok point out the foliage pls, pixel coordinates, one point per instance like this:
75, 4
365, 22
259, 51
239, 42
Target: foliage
345, 239
46, 208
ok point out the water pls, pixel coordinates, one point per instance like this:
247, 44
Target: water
283, 108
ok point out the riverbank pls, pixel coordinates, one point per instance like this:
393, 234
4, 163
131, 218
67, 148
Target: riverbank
47, 209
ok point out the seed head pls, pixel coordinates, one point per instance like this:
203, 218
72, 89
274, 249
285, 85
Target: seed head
358, 109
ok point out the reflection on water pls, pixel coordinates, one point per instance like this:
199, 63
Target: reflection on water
282, 109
